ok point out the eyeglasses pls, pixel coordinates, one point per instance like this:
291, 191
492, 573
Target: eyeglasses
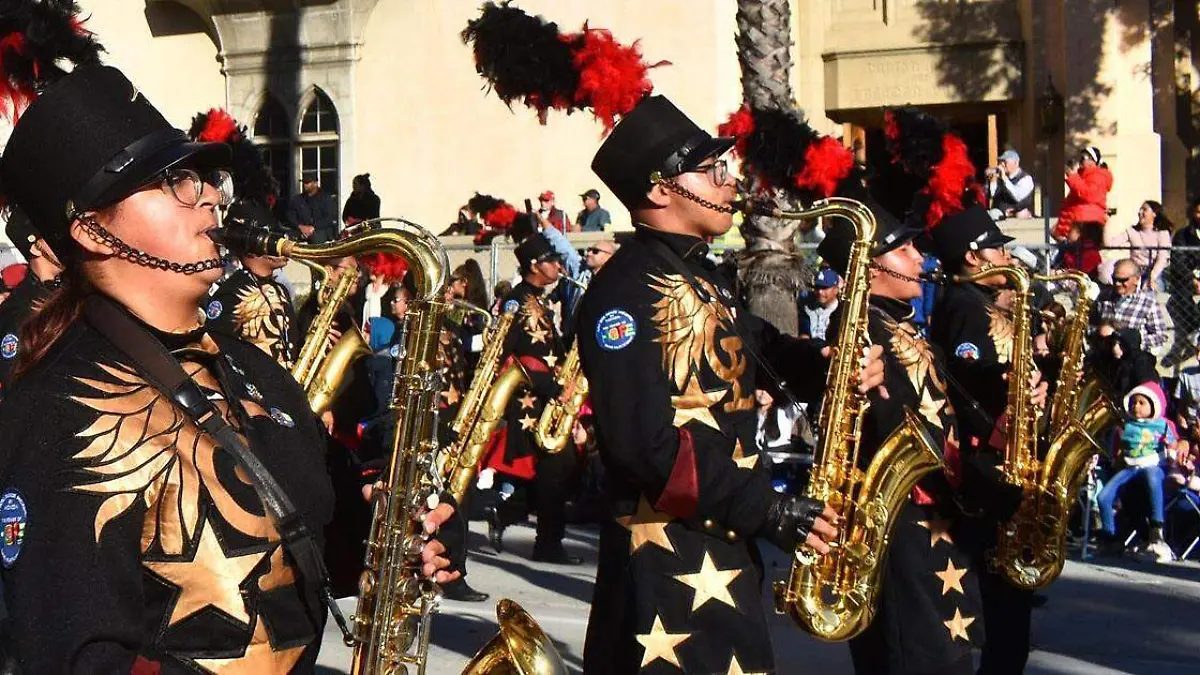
718, 172
594, 251
1121, 280
187, 186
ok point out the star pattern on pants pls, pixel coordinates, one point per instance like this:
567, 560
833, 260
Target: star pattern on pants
710, 583
958, 625
528, 422
740, 458
939, 530
527, 401
735, 668
647, 526
952, 578
659, 644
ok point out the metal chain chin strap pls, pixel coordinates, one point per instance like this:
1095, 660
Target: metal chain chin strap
688, 194
100, 235
894, 274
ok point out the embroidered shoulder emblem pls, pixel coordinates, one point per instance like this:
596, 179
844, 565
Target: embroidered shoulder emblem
8, 346
214, 309
967, 350
615, 330
14, 519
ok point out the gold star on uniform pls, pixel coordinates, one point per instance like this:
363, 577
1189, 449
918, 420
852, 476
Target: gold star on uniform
210, 578
659, 644
259, 657
710, 583
551, 360
538, 336
695, 404
958, 625
647, 526
939, 530
451, 395
527, 401
735, 668
528, 423
740, 458
952, 578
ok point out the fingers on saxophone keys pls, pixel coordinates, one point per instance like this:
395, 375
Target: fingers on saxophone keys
817, 544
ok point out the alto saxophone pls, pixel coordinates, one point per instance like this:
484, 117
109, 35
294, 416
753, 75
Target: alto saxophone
558, 418
320, 369
834, 595
482, 408
1034, 555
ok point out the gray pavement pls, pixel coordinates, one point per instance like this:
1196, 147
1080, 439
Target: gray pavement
1101, 619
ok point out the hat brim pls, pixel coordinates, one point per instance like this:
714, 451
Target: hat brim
902, 237
996, 240
711, 147
142, 170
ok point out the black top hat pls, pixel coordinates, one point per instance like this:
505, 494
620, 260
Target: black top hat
251, 213
535, 247
654, 136
21, 232
890, 234
972, 229
88, 142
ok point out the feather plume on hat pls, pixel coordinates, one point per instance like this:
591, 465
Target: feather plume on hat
526, 59
252, 178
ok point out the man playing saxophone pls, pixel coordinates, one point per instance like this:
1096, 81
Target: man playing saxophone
976, 333
671, 356
927, 619
534, 341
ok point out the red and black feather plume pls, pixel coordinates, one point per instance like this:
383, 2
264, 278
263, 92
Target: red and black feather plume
527, 59
37, 38
252, 178
387, 265
935, 159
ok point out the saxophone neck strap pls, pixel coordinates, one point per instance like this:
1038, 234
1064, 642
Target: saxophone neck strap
665, 254
164, 372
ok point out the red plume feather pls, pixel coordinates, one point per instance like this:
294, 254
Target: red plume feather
826, 164
391, 267
16, 94
949, 180
220, 127
612, 76
501, 217
739, 126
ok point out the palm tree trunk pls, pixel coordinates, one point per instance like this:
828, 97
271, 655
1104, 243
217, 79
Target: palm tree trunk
771, 270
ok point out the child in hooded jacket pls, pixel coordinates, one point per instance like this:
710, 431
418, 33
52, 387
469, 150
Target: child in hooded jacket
1146, 442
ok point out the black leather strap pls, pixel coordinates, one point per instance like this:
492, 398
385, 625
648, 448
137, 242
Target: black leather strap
164, 372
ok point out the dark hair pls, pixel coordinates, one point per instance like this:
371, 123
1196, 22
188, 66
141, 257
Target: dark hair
41, 331
1192, 210
502, 289
1161, 221
470, 272
1090, 230
365, 179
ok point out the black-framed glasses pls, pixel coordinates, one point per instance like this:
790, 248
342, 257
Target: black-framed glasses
1121, 280
187, 185
593, 250
718, 172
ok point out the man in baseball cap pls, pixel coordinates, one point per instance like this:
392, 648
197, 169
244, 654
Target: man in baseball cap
592, 218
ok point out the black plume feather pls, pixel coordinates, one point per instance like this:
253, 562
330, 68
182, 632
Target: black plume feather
36, 39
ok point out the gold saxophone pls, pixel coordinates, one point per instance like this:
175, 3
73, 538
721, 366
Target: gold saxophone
390, 629
319, 368
834, 596
558, 418
1032, 550
482, 408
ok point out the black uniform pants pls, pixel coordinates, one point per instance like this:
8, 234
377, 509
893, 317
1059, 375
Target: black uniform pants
1007, 613
552, 488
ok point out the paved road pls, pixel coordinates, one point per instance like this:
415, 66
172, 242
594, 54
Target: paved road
1100, 619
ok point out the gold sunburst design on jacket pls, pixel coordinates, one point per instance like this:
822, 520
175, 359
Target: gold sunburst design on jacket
1000, 330
260, 318
916, 357
535, 320
687, 328
142, 448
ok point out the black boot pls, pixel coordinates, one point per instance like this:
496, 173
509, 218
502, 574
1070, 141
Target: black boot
556, 556
460, 591
495, 529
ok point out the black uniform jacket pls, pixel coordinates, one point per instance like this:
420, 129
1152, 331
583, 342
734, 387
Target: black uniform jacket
534, 341
672, 385
130, 537
929, 612
21, 304
257, 310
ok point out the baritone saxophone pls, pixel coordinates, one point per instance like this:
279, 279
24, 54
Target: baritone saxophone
834, 596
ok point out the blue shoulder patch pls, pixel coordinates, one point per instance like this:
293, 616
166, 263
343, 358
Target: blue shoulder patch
511, 307
281, 418
14, 520
615, 330
214, 309
8, 346
967, 350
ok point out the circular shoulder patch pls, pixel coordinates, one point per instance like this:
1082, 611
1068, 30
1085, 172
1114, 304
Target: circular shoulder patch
282, 418
8, 346
511, 307
615, 330
394, 351
214, 309
967, 350
14, 519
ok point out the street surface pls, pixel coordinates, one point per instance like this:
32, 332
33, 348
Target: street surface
1101, 619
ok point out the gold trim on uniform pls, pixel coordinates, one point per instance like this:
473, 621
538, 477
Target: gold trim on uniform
1000, 330
647, 526
260, 318
710, 583
659, 644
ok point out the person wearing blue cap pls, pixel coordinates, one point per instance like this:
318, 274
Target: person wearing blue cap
818, 307
1010, 188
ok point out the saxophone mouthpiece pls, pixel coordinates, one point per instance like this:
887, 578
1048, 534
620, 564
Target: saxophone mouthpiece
247, 241
933, 276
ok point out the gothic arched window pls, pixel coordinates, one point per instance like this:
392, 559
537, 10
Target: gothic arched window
272, 134
318, 143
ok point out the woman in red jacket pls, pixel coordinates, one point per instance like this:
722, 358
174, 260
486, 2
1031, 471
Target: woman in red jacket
1087, 200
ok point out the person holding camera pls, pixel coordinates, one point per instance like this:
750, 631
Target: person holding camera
1009, 188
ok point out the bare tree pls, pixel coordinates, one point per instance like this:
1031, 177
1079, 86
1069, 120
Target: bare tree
771, 270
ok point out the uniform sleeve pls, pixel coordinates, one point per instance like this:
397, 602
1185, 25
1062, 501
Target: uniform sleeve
77, 605
685, 471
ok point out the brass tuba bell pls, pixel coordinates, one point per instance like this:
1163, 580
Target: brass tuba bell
520, 648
